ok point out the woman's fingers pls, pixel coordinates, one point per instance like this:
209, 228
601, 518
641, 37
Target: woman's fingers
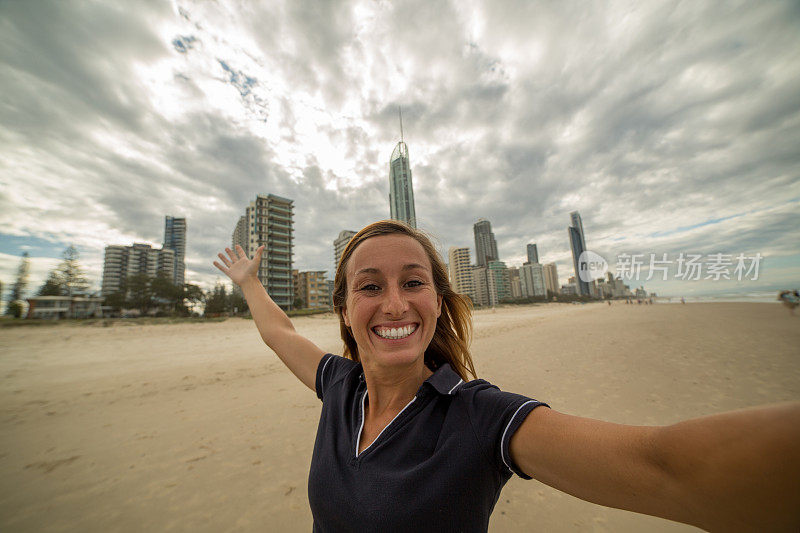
224, 260
225, 270
240, 251
259, 253
232, 255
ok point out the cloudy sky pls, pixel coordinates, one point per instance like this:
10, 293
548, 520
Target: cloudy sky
670, 126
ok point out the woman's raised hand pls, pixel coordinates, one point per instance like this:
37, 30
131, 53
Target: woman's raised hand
237, 266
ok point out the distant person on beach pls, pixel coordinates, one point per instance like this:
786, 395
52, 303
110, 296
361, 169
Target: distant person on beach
410, 440
790, 299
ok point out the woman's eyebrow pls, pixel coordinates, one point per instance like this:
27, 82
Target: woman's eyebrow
410, 266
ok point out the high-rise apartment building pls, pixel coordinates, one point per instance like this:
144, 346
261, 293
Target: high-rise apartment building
485, 245
532, 280
481, 283
339, 244
241, 236
515, 283
268, 221
550, 277
533, 254
498, 280
460, 270
312, 288
175, 239
122, 262
401, 188
578, 245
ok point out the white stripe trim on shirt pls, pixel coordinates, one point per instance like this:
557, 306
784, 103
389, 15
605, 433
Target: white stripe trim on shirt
460, 381
358, 440
322, 373
503, 439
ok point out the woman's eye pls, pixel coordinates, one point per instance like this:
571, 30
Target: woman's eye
370, 287
414, 283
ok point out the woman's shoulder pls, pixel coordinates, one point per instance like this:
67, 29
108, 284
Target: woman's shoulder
482, 396
334, 369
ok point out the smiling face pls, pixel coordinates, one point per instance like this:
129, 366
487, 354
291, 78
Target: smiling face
392, 305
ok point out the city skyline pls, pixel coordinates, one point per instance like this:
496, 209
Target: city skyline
671, 128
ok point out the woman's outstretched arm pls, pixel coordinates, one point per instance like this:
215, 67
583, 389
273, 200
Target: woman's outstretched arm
736, 471
298, 353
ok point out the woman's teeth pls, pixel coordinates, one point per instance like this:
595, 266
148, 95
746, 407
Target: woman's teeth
395, 333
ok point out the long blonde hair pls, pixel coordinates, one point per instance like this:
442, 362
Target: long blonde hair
450, 343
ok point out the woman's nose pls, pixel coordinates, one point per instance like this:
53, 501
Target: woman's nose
394, 303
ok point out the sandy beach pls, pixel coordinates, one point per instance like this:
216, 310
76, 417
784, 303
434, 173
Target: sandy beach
199, 427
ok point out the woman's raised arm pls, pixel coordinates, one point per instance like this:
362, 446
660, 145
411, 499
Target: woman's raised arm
298, 353
736, 471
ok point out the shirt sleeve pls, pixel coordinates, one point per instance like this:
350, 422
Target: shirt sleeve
331, 369
495, 416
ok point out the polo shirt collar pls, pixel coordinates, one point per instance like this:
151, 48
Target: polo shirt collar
445, 380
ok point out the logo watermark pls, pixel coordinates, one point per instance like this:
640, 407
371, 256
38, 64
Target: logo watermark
591, 266
689, 267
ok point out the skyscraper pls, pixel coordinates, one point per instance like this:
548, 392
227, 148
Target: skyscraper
461, 277
122, 262
532, 280
498, 280
339, 244
401, 188
577, 223
481, 283
175, 239
485, 245
578, 246
550, 277
241, 236
312, 288
533, 254
268, 221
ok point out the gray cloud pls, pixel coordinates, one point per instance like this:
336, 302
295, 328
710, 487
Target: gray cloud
648, 121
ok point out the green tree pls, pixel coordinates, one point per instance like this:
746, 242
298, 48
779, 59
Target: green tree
166, 292
140, 293
14, 309
117, 300
18, 289
237, 302
299, 303
53, 285
192, 294
217, 301
72, 274
68, 278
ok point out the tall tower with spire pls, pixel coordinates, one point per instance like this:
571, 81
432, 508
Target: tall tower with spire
401, 188
577, 242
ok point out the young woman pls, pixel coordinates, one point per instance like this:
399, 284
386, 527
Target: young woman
408, 442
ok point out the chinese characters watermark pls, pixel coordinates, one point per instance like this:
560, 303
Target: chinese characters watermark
689, 267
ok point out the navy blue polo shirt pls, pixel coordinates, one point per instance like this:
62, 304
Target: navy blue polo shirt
438, 466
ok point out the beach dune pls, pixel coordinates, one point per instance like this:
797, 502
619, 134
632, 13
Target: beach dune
199, 426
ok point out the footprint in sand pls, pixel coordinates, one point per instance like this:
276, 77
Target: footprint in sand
49, 466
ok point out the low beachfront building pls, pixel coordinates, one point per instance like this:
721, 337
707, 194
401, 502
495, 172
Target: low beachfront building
56, 307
